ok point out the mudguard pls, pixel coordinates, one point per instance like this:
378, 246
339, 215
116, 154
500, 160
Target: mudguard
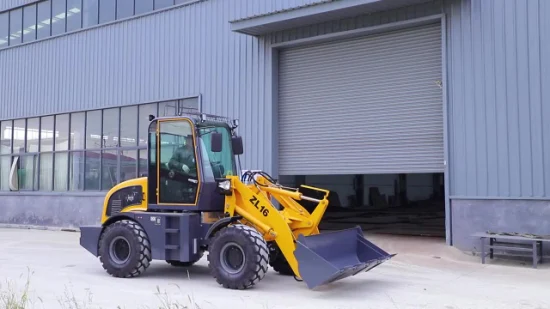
332, 256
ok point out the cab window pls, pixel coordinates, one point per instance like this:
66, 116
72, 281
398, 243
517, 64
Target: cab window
178, 177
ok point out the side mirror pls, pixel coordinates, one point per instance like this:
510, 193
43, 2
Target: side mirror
237, 145
216, 142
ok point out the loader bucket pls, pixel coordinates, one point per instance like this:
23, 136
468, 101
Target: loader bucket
331, 256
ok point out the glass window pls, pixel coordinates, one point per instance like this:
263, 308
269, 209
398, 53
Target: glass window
159, 4
177, 163
26, 172
59, 16
46, 172
144, 6
220, 164
29, 23
33, 134
92, 170
189, 103
124, 8
4, 29
181, 1
107, 9
62, 131
142, 163
16, 26
44, 19
46, 133
110, 129
109, 169
74, 15
5, 165
93, 129
76, 171
128, 164
168, 108
90, 12
77, 130
5, 138
19, 136
61, 171
128, 126
144, 112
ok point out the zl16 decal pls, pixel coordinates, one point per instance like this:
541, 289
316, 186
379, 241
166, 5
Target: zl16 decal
254, 200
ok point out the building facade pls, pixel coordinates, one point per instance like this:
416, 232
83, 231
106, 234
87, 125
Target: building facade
453, 93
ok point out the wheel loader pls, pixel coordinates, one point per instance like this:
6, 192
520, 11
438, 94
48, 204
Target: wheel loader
194, 201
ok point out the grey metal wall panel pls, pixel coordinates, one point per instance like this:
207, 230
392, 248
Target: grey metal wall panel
252, 8
8, 4
369, 105
499, 72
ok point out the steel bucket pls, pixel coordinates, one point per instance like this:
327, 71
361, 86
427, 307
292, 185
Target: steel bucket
332, 256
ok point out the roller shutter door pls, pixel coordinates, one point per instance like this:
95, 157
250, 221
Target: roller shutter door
367, 105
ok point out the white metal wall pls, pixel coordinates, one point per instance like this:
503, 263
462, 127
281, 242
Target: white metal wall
368, 105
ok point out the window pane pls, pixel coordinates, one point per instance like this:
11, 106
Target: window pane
109, 169
125, 8
16, 26
5, 165
93, 129
44, 19
189, 103
77, 130
128, 126
107, 10
144, 112
143, 169
74, 15
182, 1
33, 135
76, 171
46, 171
59, 16
128, 164
5, 138
91, 12
110, 128
143, 6
62, 131
19, 136
159, 4
29, 23
26, 173
168, 108
61, 171
92, 167
46, 133
177, 155
4, 29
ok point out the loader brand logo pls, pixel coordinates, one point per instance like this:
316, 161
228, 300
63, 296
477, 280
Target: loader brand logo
263, 210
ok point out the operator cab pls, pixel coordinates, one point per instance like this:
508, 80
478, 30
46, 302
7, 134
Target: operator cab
188, 157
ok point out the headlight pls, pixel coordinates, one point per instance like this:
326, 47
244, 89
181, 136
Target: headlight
225, 185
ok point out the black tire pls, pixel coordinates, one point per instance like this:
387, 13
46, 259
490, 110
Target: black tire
278, 261
118, 260
248, 245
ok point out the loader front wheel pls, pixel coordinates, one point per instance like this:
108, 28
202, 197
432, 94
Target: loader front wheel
238, 257
124, 249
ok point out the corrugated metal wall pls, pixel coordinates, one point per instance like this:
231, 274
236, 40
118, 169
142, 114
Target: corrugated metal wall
8, 4
499, 62
500, 98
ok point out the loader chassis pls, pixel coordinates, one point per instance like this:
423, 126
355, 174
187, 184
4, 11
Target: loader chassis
192, 202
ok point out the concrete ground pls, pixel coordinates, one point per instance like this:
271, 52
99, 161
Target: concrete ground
424, 274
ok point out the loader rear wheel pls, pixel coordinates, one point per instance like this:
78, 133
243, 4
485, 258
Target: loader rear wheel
238, 257
124, 249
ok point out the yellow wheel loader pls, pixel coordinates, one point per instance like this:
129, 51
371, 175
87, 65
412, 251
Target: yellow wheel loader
193, 200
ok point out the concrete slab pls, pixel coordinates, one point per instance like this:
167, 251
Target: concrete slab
424, 274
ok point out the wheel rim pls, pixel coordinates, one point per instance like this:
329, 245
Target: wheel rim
119, 250
232, 258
